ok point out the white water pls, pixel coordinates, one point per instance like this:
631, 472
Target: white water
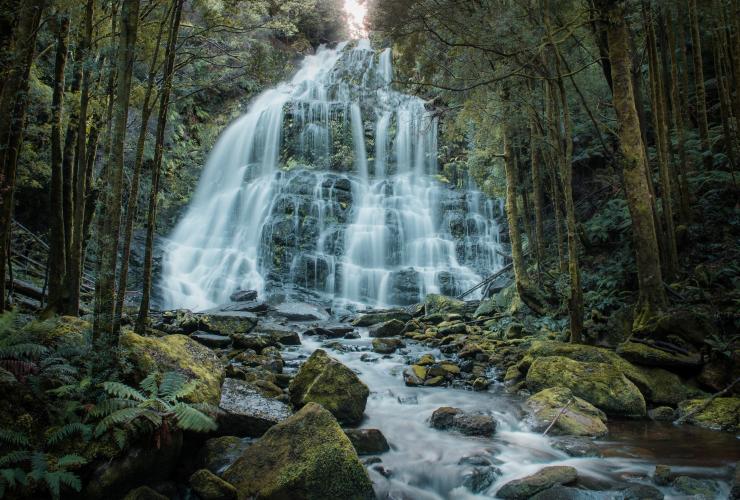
393, 247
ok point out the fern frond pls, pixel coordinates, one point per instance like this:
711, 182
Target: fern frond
69, 479
70, 461
14, 457
26, 350
7, 377
119, 417
190, 419
120, 437
68, 430
13, 477
108, 406
172, 382
39, 466
14, 437
52, 481
120, 390
149, 384
186, 390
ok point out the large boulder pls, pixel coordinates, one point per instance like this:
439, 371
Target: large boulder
601, 384
387, 329
367, 441
324, 380
539, 481
666, 388
375, 317
244, 411
572, 415
470, 424
220, 452
722, 414
178, 353
646, 355
306, 457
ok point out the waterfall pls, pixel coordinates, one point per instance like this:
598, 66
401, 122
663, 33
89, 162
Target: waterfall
290, 202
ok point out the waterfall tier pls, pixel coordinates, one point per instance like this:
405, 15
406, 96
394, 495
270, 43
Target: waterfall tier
326, 187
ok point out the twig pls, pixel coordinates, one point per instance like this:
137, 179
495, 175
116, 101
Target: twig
562, 410
706, 403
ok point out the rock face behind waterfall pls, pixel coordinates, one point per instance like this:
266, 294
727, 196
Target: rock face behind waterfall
328, 186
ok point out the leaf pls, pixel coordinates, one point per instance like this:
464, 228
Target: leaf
122, 391
172, 382
149, 384
123, 416
71, 461
14, 437
68, 430
190, 419
14, 457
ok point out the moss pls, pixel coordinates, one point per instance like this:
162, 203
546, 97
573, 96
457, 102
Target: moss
419, 371
643, 354
434, 303
307, 456
579, 418
176, 352
209, 486
722, 414
601, 384
666, 388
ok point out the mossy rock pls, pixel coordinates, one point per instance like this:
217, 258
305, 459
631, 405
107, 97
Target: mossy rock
326, 381
666, 388
209, 486
722, 414
601, 384
306, 457
575, 416
434, 303
642, 354
218, 453
179, 353
58, 331
541, 480
692, 326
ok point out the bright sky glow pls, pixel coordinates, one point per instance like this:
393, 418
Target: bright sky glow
356, 10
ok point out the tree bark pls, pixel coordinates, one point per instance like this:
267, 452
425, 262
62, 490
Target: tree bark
103, 335
19, 48
701, 97
157, 165
536, 166
651, 292
521, 276
57, 241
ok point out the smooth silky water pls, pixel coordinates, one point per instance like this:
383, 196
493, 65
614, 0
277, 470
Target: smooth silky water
326, 187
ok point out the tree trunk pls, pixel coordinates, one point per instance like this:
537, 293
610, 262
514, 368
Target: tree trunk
133, 199
536, 166
701, 97
103, 335
57, 245
512, 213
74, 261
19, 49
157, 165
651, 293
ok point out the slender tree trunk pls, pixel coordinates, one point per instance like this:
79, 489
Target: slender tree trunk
521, 276
57, 245
724, 103
651, 294
103, 334
157, 165
133, 199
536, 166
19, 48
701, 97
74, 262
553, 139
660, 122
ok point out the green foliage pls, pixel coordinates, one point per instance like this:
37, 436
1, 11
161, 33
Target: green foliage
155, 406
609, 224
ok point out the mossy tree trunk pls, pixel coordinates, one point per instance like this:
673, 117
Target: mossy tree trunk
634, 164
701, 95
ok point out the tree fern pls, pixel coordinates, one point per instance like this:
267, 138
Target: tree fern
15, 457
123, 391
67, 431
172, 382
14, 438
188, 418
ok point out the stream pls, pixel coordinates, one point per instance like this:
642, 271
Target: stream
425, 463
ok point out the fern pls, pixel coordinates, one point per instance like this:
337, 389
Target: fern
15, 457
14, 438
188, 418
172, 382
123, 391
67, 431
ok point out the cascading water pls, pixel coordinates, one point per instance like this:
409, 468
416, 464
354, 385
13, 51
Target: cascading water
327, 186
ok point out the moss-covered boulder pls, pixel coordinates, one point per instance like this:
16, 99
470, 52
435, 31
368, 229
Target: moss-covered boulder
306, 457
389, 328
209, 486
722, 414
434, 303
693, 326
324, 380
539, 481
574, 415
218, 453
58, 331
179, 353
646, 355
601, 384
666, 388
244, 411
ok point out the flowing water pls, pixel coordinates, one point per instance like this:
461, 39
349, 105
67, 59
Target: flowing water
327, 185
425, 463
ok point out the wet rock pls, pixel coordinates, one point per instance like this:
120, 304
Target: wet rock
144, 493
444, 330
326, 381
662, 475
387, 329
514, 331
470, 350
702, 488
279, 333
665, 388
434, 303
367, 441
253, 306
425, 360
179, 353
243, 296
486, 308
434, 381
481, 384
572, 415
601, 384
230, 322
253, 341
479, 479
722, 414
209, 486
367, 358
324, 332
646, 355
735, 489
211, 339
408, 400
449, 418
386, 346
641, 492
218, 453
246, 412
662, 414
566, 493
543, 479
414, 375
306, 457
576, 446
375, 317
300, 311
